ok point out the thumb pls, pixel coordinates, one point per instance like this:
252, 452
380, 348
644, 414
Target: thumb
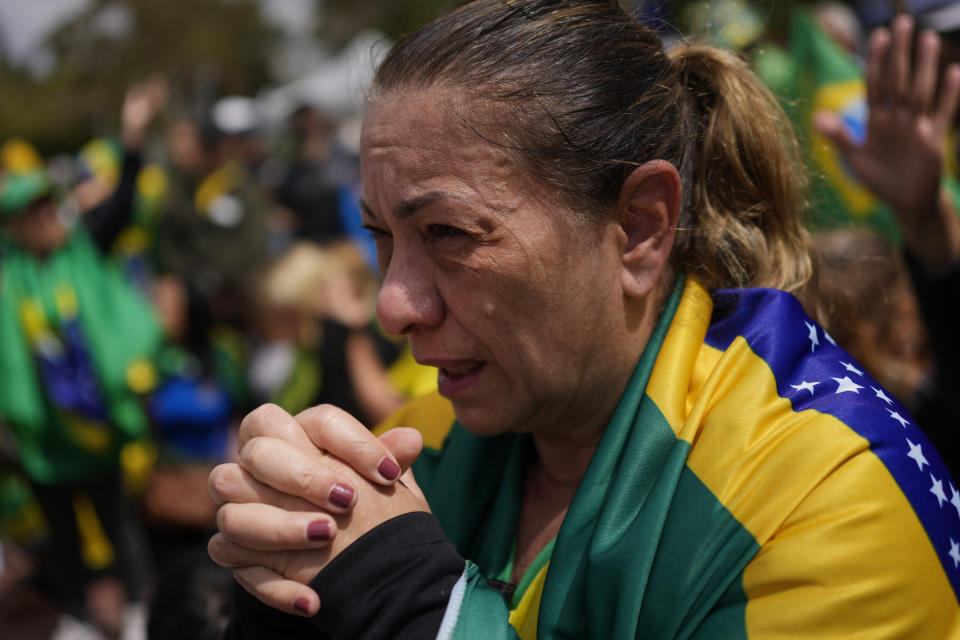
404, 443
829, 125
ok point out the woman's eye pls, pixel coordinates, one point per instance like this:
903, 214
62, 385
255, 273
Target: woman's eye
375, 232
443, 232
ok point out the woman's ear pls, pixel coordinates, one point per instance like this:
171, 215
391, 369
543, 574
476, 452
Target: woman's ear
649, 206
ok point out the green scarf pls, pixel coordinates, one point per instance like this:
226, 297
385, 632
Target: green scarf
119, 334
475, 486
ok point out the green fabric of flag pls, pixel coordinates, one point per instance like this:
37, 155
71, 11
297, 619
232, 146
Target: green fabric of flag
119, 335
606, 580
822, 76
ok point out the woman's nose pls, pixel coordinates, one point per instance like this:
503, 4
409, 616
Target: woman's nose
408, 300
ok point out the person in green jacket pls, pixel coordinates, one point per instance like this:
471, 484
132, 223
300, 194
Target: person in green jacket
77, 344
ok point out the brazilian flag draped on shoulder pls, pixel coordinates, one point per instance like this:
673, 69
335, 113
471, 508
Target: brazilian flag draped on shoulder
814, 75
753, 482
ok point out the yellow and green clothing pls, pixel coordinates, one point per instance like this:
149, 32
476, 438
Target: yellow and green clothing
753, 482
76, 349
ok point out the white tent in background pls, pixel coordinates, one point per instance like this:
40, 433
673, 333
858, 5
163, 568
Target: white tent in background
337, 86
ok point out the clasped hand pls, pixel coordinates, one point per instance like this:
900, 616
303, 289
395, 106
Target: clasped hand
304, 488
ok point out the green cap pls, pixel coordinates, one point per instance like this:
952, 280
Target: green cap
20, 189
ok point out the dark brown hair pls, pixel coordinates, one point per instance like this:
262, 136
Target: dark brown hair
583, 93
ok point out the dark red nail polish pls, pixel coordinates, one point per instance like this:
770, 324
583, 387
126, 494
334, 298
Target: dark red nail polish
318, 530
389, 469
341, 495
302, 605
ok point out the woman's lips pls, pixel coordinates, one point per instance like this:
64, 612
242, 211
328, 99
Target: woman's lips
461, 369
455, 377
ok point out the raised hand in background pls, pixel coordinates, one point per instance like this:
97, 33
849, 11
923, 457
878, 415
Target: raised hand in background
901, 159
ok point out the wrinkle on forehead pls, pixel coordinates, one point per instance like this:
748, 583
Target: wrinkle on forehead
420, 133
424, 134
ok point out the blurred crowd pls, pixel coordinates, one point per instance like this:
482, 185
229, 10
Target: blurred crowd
157, 285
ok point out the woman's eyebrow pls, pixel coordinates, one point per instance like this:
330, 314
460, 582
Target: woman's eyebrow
409, 207
365, 206
406, 209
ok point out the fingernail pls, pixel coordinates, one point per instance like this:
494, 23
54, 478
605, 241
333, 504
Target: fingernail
318, 530
341, 495
389, 469
302, 605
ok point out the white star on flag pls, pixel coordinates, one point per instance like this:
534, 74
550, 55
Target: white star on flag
883, 396
805, 385
829, 339
899, 418
814, 340
955, 498
917, 454
937, 489
955, 553
849, 367
846, 384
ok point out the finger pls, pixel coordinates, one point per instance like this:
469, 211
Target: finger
230, 483
404, 443
336, 431
949, 97
876, 68
831, 127
900, 57
261, 527
281, 465
275, 591
928, 52
227, 553
270, 420
301, 565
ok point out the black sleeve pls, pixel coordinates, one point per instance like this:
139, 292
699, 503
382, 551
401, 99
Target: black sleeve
939, 300
394, 582
105, 221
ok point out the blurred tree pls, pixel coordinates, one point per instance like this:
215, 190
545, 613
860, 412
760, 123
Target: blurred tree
206, 48
342, 19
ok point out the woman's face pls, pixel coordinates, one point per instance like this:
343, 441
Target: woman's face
514, 299
39, 229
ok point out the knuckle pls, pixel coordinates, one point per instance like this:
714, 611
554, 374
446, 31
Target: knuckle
310, 481
220, 482
254, 449
289, 430
344, 432
261, 419
367, 449
287, 564
275, 537
224, 521
217, 549
323, 414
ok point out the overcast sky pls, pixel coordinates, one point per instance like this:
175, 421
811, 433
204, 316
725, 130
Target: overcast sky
24, 23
